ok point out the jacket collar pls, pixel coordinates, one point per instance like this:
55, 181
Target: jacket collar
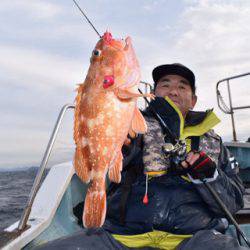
195, 117
196, 123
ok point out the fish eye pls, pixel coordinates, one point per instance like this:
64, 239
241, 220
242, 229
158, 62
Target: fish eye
96, 52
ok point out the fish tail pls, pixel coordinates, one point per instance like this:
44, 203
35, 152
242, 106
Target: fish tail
95, 205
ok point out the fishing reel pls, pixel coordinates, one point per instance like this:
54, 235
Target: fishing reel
176, 154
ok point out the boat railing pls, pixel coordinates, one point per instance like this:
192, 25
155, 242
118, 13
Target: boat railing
37, 181
147, 89
222, 105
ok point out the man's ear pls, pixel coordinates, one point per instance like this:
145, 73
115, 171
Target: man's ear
194, 100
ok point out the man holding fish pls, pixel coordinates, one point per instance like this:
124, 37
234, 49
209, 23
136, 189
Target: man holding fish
179, 212
156, 202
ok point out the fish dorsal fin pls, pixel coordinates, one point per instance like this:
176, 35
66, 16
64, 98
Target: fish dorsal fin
138, 123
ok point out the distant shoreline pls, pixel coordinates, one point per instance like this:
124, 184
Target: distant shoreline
17, 169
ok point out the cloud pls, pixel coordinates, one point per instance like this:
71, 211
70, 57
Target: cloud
153, 5
35, 9
34, 68
213, 39
218, 29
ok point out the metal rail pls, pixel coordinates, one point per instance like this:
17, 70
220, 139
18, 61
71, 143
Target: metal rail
146, 86
36, 184
223, 106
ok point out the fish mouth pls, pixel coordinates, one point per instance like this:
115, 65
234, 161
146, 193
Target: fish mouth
107, 37
108, 81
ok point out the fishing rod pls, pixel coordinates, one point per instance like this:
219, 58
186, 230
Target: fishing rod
177, 144
226, 211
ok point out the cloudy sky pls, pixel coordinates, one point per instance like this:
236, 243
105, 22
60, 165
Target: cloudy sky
45, 47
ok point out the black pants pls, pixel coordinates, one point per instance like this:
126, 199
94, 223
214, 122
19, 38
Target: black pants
210, 239
99, 239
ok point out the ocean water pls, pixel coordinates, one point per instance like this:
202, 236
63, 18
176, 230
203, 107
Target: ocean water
15, 186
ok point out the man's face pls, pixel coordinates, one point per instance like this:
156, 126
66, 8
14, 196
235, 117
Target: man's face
178, 90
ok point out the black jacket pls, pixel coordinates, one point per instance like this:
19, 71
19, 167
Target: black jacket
176, 205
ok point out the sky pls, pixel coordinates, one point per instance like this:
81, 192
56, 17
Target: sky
45, 46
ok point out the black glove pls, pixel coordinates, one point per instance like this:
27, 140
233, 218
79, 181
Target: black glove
203, 167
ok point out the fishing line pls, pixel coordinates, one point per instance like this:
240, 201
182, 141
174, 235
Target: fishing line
87, 18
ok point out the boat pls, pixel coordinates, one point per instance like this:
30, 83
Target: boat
50, 214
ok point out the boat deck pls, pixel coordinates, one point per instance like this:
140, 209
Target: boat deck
243, 216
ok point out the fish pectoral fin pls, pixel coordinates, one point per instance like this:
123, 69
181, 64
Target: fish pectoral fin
127, 94
139, 124
81, 164
116, 168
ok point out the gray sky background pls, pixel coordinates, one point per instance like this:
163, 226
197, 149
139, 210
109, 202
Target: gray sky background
45, 47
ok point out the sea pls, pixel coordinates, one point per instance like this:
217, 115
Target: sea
15, 186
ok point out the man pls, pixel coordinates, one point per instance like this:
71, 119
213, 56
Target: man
178, 203
161, 202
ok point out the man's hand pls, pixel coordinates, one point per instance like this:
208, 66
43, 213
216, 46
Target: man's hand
199, 165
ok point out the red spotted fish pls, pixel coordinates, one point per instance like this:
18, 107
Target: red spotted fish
105, 113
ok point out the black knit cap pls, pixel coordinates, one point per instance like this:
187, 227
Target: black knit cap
174, 69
